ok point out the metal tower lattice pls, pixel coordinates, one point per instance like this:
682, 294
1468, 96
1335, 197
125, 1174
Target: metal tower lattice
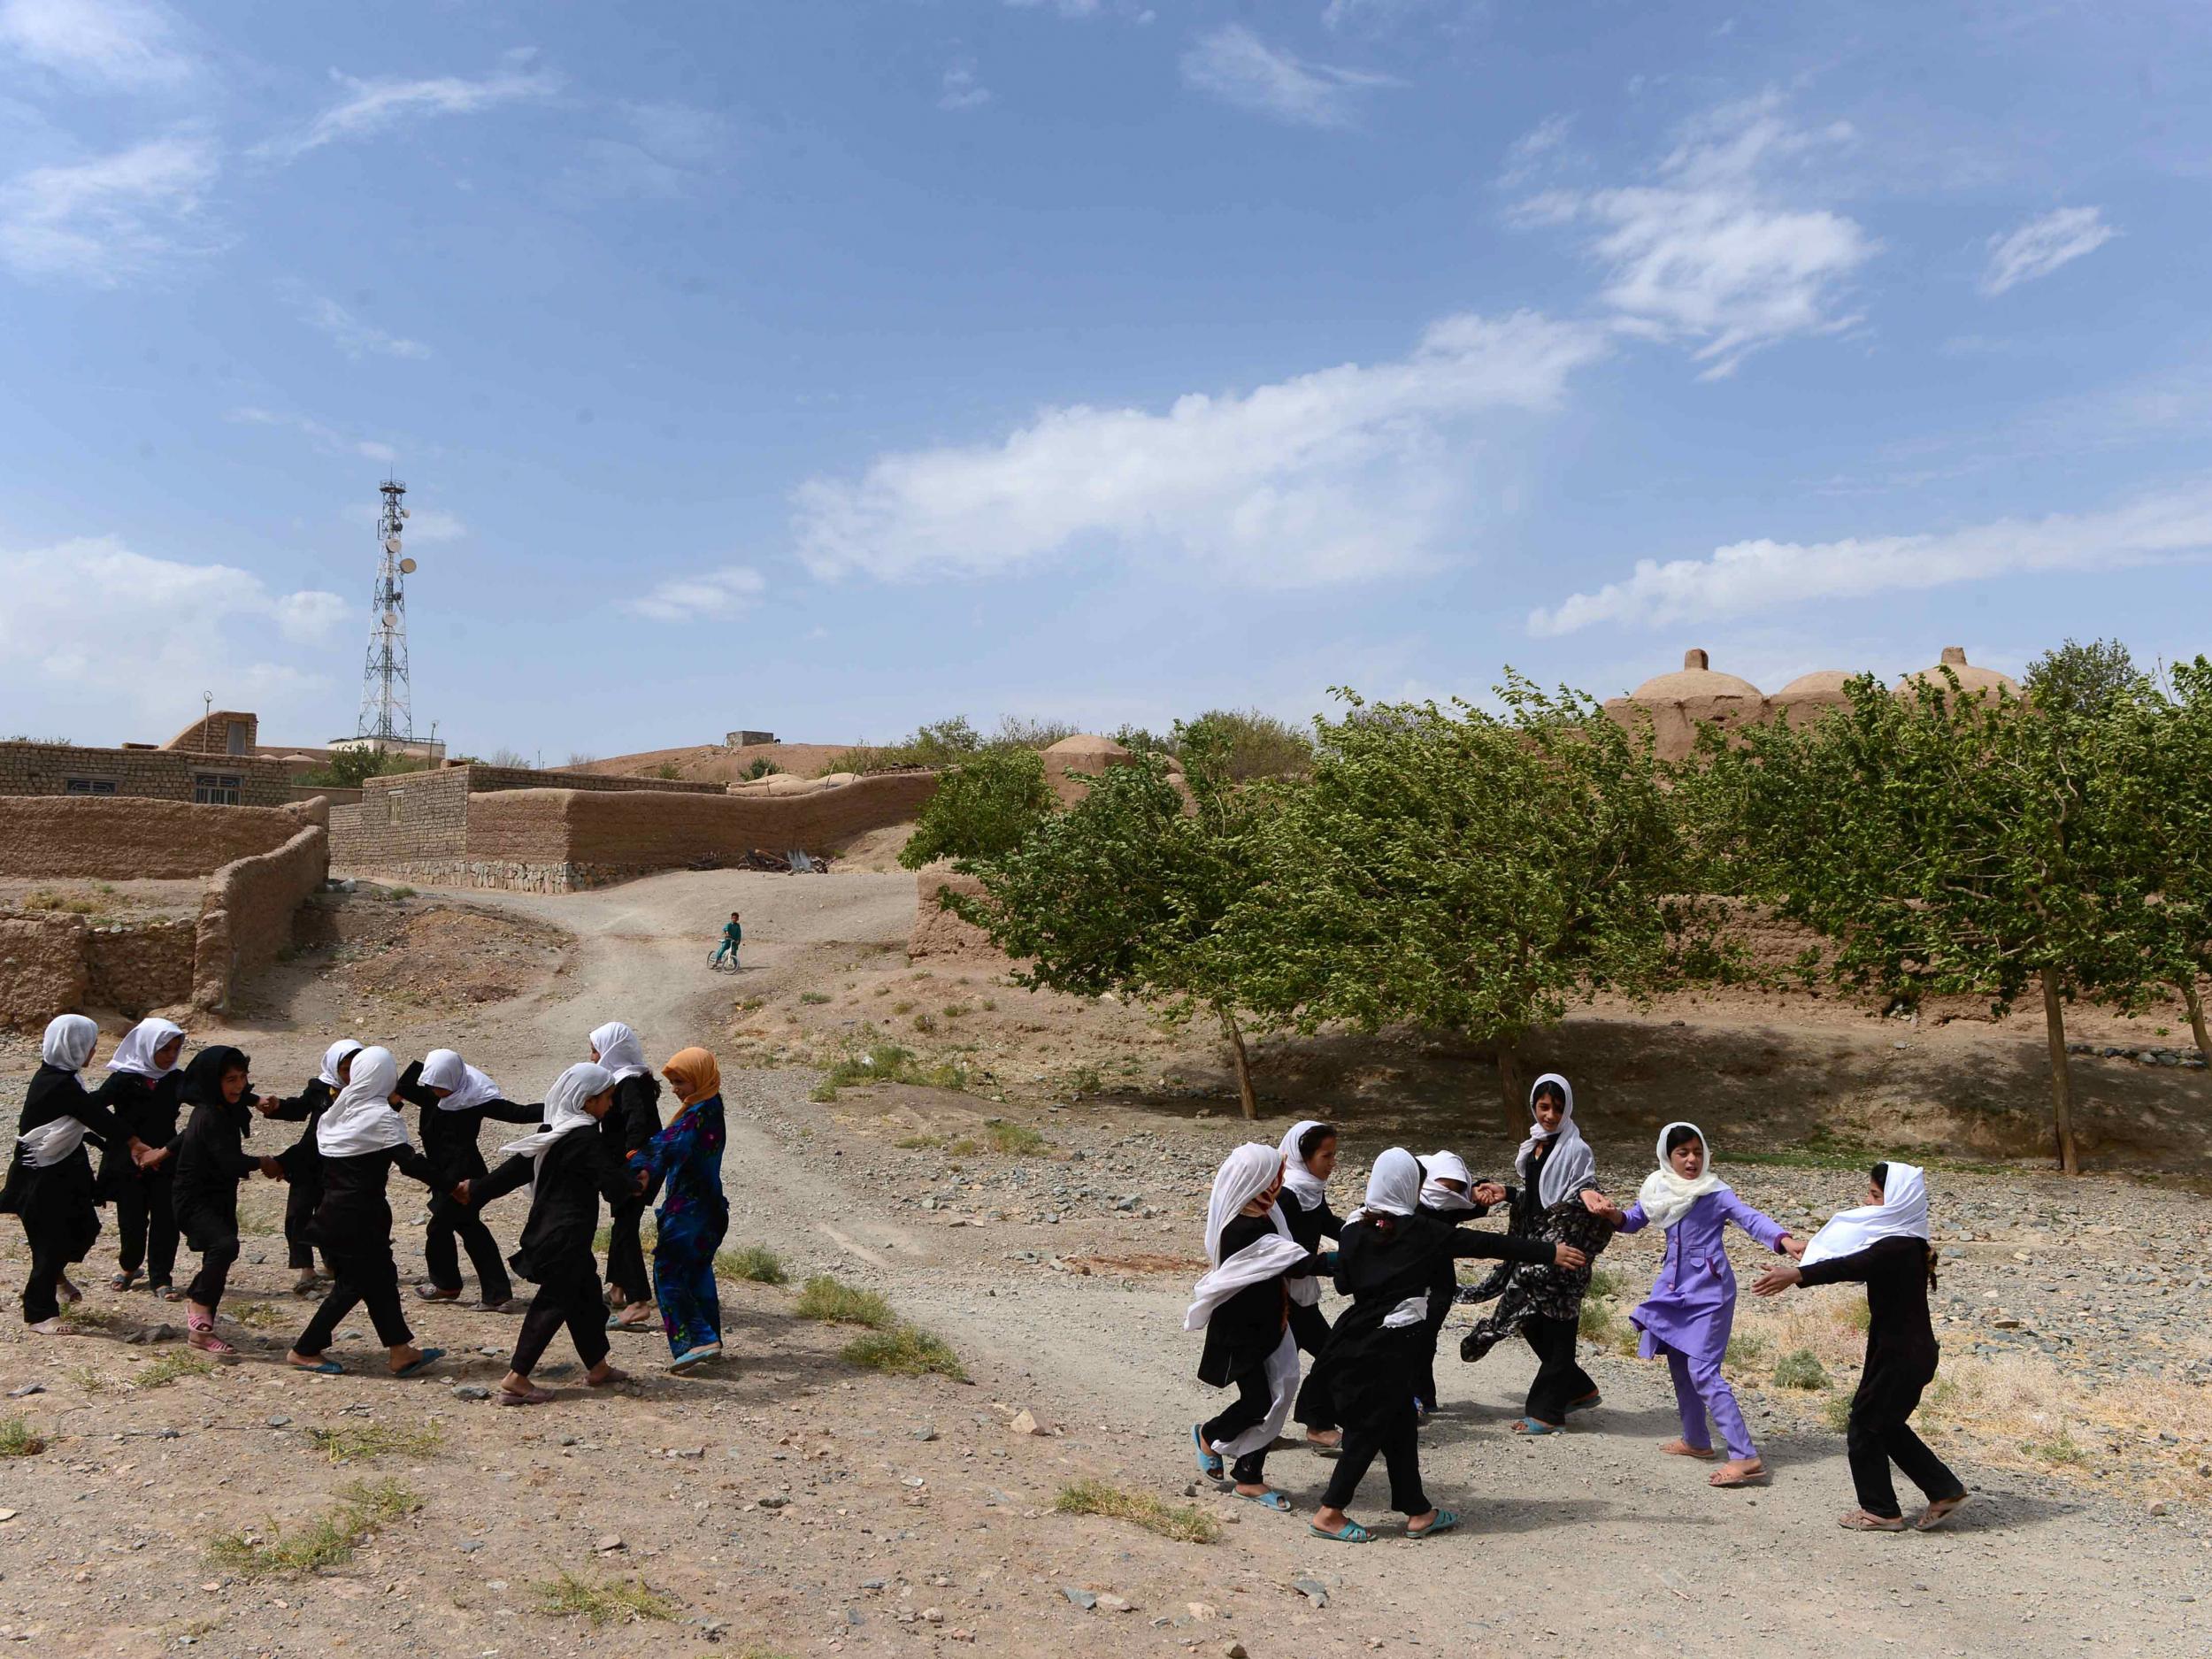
386, 717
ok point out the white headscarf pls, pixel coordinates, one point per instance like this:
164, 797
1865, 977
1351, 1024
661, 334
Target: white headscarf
1666, 1198
1393, 1187
361, 1120
135, 1052
1441, 1167
1243, 1176
442, 1068
1309, 1189
1570, 1163
1903, 1214
333, 1058
565, 1111
619, 1051
69, 1041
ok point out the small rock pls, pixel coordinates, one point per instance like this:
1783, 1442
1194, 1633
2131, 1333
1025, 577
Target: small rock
871, 1584
1117, 1604
1234, 1650
470, 1546
932, 1615
1083, 1599
471, 1391
924, 1432
610, 1543
1312, 1589
772, 1501
26, 1391
279, 1422
1025, 1423
1203, 1610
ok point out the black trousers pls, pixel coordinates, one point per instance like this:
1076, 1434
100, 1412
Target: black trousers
216, 1262
1432, 1326
1559, 1379
1879, 1435
1316, 1409
626, 1252
358, 1276
300, 1199
1393, 1434
570, 1297
42, 1290
146, 1228
1254, 1396
444, 1264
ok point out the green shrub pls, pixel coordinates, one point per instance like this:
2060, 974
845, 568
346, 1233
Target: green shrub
569, 1597
1013, 1138
16, 1440
753, 1263
836, 1302
1185, 1524
351, 1440
905, 1351
1747, 1351
1800, 1368
328, 1541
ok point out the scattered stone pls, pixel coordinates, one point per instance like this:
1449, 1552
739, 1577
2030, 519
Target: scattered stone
1202, 1611
1083, 1599
1117, 1604
1234, 1650
924, 1432
772, 1501
608, 1544
1025, 1422
470, 1546
26, 1391
279, 1422
1312, 1589
472, 1391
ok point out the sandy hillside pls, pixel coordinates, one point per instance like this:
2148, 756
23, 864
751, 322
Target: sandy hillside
712, 762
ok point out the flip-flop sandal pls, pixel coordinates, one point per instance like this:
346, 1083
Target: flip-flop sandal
428, 1357
1353, 1534
1751, 1478
612, 1377
431, 1292
1324, 1449
616, 1322
1860, 1521
1446, 1519
167, 1292
321, 1368
121, 1281
1941, 1511
1536, 1425
523, 1397
693, 1358
1678, 1448
1274, 1501
1593, 1398
1210, 1463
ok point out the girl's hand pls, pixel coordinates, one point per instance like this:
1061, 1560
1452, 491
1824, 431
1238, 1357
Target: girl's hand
1566, 1256
1490, 1193
271, 1168
1598, 1204
460, 1195
266, 1104
1777, 1279
1794, 1247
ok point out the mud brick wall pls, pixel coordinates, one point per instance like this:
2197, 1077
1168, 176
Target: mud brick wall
938, 932
137, 969
41, 968
112, 838
414, 815
489, 780
246, 918
33, 769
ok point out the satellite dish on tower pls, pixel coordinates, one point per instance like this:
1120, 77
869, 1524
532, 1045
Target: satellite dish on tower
391, 544
391, 619
407, 567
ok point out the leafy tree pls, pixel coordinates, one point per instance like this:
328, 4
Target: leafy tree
1464, 871
1951, 843
1258, 745
349, 768
1124, 892
984, 808
2160, 813
2085, 679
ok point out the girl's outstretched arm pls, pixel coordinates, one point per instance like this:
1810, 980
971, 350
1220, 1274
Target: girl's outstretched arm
1767, 1232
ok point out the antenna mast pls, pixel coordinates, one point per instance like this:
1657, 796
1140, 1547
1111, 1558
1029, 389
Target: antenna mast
385, 715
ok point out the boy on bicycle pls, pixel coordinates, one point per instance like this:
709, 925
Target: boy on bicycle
732, 936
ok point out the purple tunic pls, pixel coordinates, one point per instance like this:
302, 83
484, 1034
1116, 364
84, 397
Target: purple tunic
1693, 1301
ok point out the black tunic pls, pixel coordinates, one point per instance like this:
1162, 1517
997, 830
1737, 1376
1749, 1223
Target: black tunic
449, 1136
1309, 1227
1901, 1343
354, 1216
303, 1164
145, 1108
574, 1174
635, 1116
1250, 1327
1371, 1367
212, 1159
55, 1203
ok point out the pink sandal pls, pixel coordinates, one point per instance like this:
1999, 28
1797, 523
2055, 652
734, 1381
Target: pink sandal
200, 1333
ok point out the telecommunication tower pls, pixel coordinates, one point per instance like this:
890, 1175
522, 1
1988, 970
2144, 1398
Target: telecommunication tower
385, 715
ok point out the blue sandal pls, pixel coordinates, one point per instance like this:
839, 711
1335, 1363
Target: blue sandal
1536, 1425
321, 1368
1587, 1402
1446, 1519
1274, 1501
1208, 1460
1353, 1534
428, 1357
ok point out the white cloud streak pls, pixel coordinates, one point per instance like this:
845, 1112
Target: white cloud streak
2041, 245
701, 598
121, 43
351, 336
960, 89
325, 438
374, 106
1333, 476
1708, 253
109, 219
1239, 67
1763, 575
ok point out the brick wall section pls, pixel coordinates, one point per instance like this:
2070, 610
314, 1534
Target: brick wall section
137, 969
246, 918
114, 839
159, 773
411, 816
210, 736
42, 968
489, 780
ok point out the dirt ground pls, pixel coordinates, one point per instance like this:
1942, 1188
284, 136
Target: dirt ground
793, 1504
104, 904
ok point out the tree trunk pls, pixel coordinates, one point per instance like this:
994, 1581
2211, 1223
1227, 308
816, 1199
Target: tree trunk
1511, 1089
1246, 1098
2062, 1074
2196, 1013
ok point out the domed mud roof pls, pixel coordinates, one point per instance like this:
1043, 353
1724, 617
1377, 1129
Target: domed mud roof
1971, 678
1694, 682
1822, 682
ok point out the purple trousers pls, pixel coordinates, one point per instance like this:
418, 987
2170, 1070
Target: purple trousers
1699, 1387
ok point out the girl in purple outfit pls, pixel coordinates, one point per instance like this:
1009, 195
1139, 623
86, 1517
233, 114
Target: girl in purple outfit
1693, 1301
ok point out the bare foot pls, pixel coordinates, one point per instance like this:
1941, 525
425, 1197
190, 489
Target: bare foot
1940, 1511
604, 1376
67, 1291
1739, 1471
55, 1326
1860, 1521
1326, 1440
1683, 1448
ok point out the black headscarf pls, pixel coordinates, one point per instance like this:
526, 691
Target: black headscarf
202, 1083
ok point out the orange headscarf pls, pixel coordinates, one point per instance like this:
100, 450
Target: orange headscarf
694, 1075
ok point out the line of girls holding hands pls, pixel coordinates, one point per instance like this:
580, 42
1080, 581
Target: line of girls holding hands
1372, 1381
166, 1182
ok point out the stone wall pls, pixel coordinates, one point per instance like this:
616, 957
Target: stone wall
409, 816
937, 931
113, 838
137, 969
32, 769
211, 735
42, 970
246, 918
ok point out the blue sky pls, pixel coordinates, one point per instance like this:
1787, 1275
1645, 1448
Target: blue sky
830, 367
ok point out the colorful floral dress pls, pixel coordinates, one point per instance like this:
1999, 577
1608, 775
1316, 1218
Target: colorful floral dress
687, 1157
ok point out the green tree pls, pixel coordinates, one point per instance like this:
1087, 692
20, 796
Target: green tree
349, 768
984, 808
1950, 843
1464, 871
1125, 891
2160, 812
2085, 679
1258, 745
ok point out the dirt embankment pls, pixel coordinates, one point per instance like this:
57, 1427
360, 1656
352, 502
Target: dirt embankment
713, 763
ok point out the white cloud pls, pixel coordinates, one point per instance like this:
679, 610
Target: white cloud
211, 627
1331, 476
1708, 253
107, 220
371, 106
1751, 576
433, 525
960, 89
1373, 16
1238, 66
1065, 8
351, 336
1533, 151
663, 151
327, 439
2041, 245
123, 42
711, 594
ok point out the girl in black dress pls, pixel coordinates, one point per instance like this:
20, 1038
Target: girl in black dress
143, 1077
1309, 1151
455, 1100
630, 1125
1884, 1245
210, 1160
49, 1185
301, 1170
568, 1171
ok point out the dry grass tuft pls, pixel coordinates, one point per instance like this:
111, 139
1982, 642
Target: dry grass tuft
1185, 1524
569, 1597
836, 1302
16, 1440
755, 1262
352, 1441
328, 1541
905, 1351
181, 1362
